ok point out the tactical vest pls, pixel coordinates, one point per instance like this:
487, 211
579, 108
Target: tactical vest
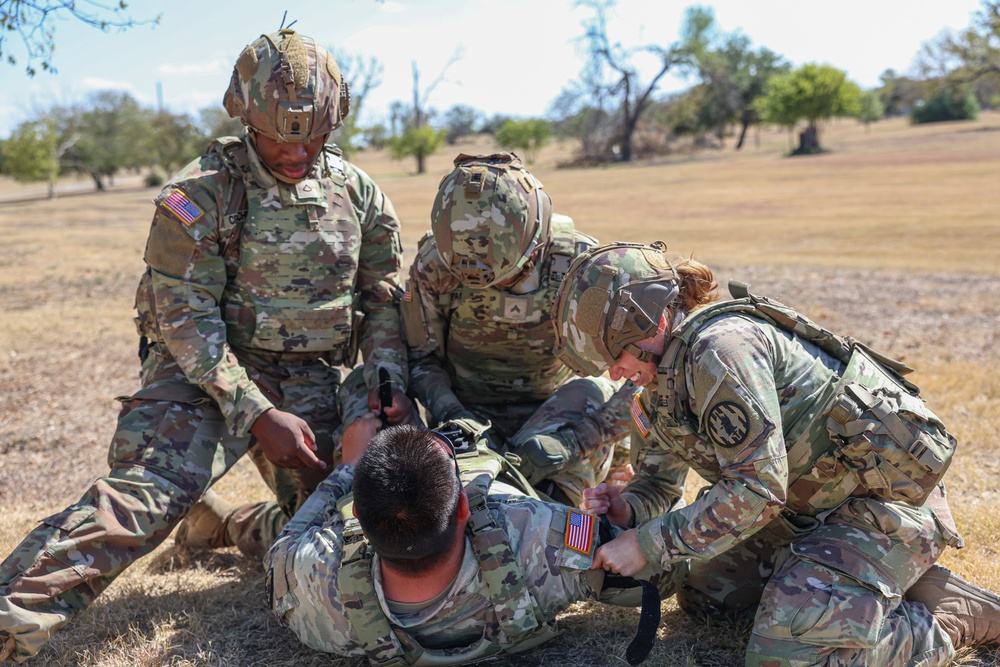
521, 624
291, 262
883, 440
500, 345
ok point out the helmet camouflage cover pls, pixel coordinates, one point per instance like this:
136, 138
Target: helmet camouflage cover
489, 215
288, 88
612, 297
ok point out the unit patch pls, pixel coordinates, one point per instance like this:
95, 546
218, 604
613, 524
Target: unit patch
579, 531
182, 207
728, 424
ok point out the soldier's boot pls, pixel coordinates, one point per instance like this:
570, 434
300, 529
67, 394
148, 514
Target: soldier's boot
6, 646
969, 614
204, 527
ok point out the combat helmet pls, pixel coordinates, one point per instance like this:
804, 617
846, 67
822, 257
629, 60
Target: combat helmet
489, 216
288, 88
612, 297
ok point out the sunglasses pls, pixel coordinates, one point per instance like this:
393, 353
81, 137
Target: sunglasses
451, 449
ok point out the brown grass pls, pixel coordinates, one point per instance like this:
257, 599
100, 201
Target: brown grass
893, 237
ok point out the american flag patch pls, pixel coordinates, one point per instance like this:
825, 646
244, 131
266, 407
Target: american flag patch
407, 294
182, 207
579, 531
639, 417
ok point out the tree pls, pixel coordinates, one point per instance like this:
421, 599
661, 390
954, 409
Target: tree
529, 136
174, 141
870, 108
216, 122
813, 93
417, 142
460, 121
951, 102
611, 67
734, 76
34, 22
31, 153
969, 56
114, 133
363, 75
420, 143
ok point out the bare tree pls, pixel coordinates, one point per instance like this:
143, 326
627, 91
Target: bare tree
427, 142
611, 70
33, 22
363, 75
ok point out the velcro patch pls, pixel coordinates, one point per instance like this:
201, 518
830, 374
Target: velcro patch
728, 424
639, 416
182, 207
579, 535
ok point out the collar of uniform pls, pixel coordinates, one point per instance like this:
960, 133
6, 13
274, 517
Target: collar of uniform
307, 191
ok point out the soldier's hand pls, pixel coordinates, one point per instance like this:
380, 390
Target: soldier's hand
356, 437
607, 499
621, 555
401, 411
287, 440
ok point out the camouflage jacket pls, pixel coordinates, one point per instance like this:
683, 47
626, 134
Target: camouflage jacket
753, 391
486, 345
304, 562
241, 262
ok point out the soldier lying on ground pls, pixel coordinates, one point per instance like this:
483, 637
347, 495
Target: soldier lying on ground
826, 510
477, 316
404, 580
271, 261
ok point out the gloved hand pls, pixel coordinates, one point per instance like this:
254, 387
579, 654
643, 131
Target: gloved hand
474, 430
544, 455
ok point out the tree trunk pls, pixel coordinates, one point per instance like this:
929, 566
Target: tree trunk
52, 189
420, 164
625, 155
97, 181
808, 140
744, 126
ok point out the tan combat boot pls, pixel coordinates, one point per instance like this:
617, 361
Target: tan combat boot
969, 614
205, 525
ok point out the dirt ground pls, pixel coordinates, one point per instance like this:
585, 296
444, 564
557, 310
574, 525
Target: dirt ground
915, 282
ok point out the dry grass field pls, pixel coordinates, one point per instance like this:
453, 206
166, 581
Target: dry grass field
892, 237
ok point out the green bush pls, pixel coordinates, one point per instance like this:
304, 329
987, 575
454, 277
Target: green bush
153, 180
949, 103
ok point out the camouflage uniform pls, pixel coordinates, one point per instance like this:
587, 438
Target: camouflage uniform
493, 348
788, 530
534, 571
238, 323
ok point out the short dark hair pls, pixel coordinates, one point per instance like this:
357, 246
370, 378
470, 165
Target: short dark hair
406, 497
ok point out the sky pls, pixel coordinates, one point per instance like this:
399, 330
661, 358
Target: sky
509, 57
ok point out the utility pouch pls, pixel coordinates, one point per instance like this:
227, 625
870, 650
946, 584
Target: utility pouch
886, 436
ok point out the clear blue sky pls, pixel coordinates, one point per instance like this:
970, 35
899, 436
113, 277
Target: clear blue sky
514, 55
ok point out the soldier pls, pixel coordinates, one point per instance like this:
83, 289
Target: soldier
476, 313
433, 568
271, 261
826, 503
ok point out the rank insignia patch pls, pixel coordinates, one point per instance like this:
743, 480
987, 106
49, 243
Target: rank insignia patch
185, 209
579, 531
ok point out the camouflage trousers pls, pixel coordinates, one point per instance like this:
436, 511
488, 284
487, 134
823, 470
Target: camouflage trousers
831, 592
253, 527
567, 406
170, 446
